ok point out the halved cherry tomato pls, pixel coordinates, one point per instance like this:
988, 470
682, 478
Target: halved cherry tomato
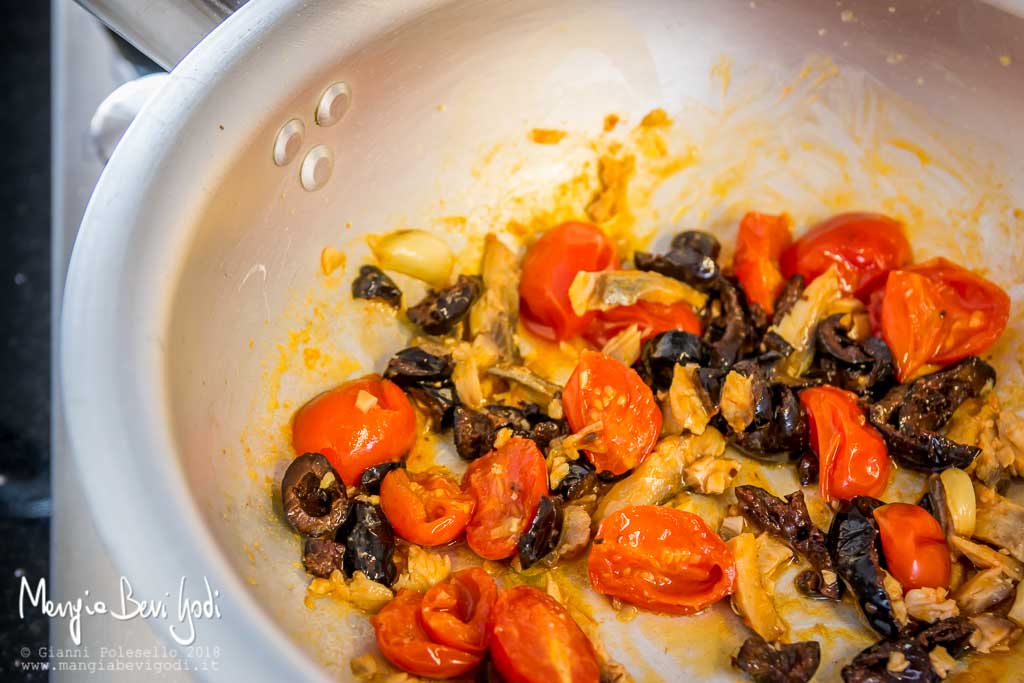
652, 318
362, 423
862, 246
534, 640
457, 612
759, 244
427, 509
914, 546
550, 266
662, 559
506, 486
601, 389
937, 312
852, 457
401, 638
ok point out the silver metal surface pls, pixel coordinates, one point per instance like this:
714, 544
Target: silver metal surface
196, 245
164, 30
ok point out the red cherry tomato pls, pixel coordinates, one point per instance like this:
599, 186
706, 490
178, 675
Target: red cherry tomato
914, 546
601, 389
550, 266
403, 641
759, 245
457, 612
852, 457
651, 318
362, 423
534, 640
427, 509
862, 246
506, 486
937, 312
662, 559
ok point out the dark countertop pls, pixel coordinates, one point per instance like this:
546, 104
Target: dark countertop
24, 323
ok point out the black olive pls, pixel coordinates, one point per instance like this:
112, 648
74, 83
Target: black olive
789, 520
953, 633
790, 294
785, 434
765, 663
910, 415
660, 354
313, 496
413, 365
833, 339
440, 312
321, 556
730, 333
580, 480
473, 433
687, 266
372, 283
438, 403
807, 469
810, 583
543, 433
872, 665
541, 536
704, 243
369, 544
372, 477
854, 546
709, 382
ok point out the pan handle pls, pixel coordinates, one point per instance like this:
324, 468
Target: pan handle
163, 30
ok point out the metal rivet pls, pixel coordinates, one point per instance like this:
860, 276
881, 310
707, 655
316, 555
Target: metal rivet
317, 167
288, 142
333, 104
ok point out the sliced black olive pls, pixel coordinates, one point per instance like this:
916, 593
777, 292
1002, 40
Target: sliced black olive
473, 433
854, 546
760, 392
541, 536
790, 294
413, 365
832, 338
580, 480
660, 354
372, 283
790, 521
872, 665
703, 243
321, 556
709, 383
810, 583
729, 333
313, 496
785, 434
369, 544
775, 345
543, 433
795, 663
440, 312
953, 633
909, 416
372, 477
687, 266
807, 469
438, 403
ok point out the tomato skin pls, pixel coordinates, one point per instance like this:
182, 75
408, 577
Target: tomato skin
601, 389
401, 638
862, 246
350, 439
651, 318
938, 313
457, 611
852, 457
549, 267
914, 546
534, 640
759, 244
506, 486
427, 509
686, 565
